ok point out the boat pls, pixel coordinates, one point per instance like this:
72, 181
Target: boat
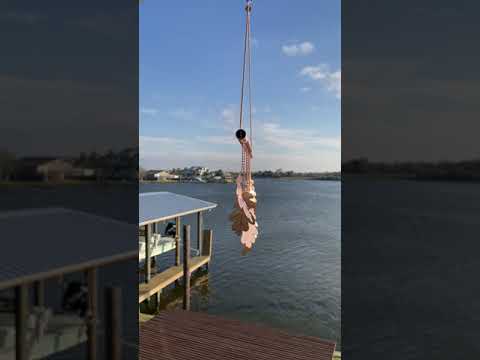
157, 209
78, 243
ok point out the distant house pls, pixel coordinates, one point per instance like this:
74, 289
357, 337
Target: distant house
164, 175
26, 169
228, 177
55, 170
197, 179
195, 171
83, 173
150, 174
200, 170
160, 175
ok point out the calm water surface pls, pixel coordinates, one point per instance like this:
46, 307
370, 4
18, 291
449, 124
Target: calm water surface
291, 279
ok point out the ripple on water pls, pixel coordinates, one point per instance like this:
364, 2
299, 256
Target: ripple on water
291, 279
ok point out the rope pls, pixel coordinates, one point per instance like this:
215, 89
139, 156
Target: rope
246, 67
247, 60
243, 72
250, 79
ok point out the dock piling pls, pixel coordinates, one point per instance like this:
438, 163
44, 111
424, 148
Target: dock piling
148, 260
186, 267
92, 314
207, 241
199, 231
113, 323
177, 241
39, 288
21, 312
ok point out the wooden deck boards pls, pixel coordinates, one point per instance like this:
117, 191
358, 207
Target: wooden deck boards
192, 335
167, 277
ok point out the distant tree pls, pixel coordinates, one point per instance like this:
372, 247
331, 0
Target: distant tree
141, 173
7, 165
92, 159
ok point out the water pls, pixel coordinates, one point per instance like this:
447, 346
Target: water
118, 201
410, 269
291, 278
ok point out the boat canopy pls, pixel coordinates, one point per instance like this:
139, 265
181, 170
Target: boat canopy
74, 240
160, 206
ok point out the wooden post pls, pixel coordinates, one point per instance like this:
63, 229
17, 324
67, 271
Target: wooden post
92, 314
177, 241
148, 260
186, 267
158, 296
199, 231
113, 323
39, 287
207, 245
21, 313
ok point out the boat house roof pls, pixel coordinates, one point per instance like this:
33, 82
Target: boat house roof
159, 206
73, 240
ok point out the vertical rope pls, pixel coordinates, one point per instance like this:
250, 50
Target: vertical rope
250, 78
247, 59
243, 72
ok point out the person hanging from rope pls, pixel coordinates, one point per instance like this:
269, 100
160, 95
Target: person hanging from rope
243, 216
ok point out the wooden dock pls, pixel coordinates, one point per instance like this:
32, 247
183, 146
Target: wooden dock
167, 277
191, 335
158, 207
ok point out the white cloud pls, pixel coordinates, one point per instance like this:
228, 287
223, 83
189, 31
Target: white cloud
275, 146
297, 139
318, 160
331, 80
218, 140
148, 111
305, 89
182, 114
295, 49
229, 115
159, 141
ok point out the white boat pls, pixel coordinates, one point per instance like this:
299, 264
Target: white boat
47, 333
158, 245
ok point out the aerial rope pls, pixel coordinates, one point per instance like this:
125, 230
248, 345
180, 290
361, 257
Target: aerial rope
243, 217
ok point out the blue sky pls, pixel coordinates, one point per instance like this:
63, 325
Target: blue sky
190, 72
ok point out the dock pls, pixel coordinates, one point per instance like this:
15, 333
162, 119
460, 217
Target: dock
78, 243
167, 277
182, 334
192, 335
155, 209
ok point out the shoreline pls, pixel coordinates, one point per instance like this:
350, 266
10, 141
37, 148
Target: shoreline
283, 178
113, 182
65, 183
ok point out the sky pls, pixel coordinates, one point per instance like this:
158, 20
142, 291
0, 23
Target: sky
63, 90
190, 73
411, 90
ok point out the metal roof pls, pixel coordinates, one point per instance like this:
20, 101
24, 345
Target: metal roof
42, 243
159, 206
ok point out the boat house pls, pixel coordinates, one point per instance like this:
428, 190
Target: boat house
181, 334
155, 209
77, 243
